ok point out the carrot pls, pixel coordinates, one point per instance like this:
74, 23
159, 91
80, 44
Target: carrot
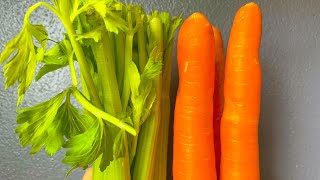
218, 95
242, 85
88, 174
193, 154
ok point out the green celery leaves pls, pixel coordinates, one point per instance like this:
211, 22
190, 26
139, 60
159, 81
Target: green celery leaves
21, 53
107, 9
141, 87
85, 148
56, 58
49, 123
35, 123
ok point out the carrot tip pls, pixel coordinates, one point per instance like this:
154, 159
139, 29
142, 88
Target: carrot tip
251, 5
198, 17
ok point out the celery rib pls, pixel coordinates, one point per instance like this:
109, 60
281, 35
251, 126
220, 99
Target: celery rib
101, 114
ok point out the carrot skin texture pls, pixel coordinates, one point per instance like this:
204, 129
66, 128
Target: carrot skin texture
218, 98
193, 154
242, 86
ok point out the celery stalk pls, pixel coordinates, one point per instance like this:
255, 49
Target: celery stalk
143, 57
146, 149
120, 52
162, 142
104, 55
144, 161
107, 75
128, 58
82, 62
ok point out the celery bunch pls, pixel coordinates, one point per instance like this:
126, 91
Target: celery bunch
125, 59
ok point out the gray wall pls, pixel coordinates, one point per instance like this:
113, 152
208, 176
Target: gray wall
289, 124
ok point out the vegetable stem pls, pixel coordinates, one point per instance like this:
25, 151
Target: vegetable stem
82, 63
104, 58
146, 152
101, 114
36, 6
126, 84
73, 71
104, 55
97, 174
143, 164
162, 142
120, 56
128, 58
126, 158
143, 57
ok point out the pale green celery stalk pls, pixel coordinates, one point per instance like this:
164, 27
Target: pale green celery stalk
162, 142
84, 68
143, 166
112, 50
96, 173
146, 151
84, 88
126, 158
126, 84
128, 58
104, 55
118, 169
143, 58
135, 57
100, 113
73, 72
102, 51
64, 16
120, 58
125, 95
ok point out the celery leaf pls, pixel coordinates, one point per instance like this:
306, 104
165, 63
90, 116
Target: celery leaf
56, 58
84, 148
47, 69
21, 53
36, 122
142, 89
49, 123
107, 9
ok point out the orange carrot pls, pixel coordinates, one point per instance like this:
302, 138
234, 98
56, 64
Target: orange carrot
193, 154
242, 85
218, 95
88, 174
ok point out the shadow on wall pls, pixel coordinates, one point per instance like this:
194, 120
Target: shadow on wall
272, 110
269, 111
